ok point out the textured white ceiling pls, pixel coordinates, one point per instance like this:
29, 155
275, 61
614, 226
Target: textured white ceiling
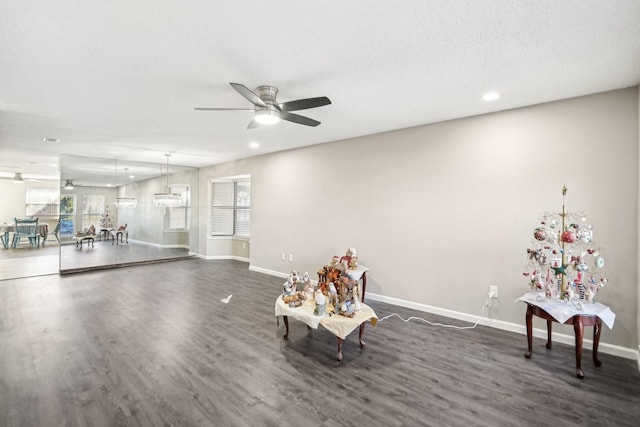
120, 79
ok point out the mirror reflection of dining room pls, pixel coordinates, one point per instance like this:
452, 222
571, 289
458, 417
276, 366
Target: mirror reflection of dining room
29, 217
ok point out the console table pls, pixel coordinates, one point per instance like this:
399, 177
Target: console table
586, 314
339, 325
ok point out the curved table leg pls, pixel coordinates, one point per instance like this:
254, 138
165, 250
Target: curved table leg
596, 340
339, 355
361, 334
549, 323
528, 322
285, 319
578, 328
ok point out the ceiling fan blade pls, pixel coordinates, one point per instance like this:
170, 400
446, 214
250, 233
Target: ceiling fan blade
253, 124
303, 104
248, 94
296, 118
223, 109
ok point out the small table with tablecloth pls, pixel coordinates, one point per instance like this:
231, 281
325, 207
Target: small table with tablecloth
337, 324
578, 313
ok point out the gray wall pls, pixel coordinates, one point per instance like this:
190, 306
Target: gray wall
442, 211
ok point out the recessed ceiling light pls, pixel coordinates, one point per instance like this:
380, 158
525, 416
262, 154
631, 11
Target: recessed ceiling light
52, 140
491, 96
254, 144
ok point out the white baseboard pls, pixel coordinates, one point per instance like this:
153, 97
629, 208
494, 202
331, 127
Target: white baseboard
214, 257
615, 350
269, 272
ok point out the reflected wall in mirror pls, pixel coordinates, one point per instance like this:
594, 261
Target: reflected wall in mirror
97, 233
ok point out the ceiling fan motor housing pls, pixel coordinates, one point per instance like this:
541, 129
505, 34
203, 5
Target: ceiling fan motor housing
267, 94
267, 115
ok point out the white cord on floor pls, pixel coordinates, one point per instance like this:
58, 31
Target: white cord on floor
426, 321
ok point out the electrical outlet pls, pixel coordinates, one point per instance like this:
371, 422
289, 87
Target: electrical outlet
283, 256
493, 291
290, 257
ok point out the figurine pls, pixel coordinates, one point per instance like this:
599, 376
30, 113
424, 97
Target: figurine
346, 309
287, 288
344, 261
356, 298
294, 276
353, 263
321, 303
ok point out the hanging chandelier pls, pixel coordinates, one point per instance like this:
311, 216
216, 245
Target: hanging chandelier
126, 202
168, 199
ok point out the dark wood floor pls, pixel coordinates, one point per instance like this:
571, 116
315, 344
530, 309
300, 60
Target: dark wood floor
153, 345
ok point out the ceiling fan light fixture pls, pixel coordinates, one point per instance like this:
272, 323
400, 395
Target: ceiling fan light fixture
68, 185
267, 117
17, 178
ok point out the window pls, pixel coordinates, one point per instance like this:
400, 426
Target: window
92, 210
42, 202
178, 218
231, 208
67, 215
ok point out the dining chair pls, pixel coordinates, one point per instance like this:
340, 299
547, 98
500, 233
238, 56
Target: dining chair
55, 232
26, 227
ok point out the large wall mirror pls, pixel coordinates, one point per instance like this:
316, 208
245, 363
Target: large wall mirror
115, 212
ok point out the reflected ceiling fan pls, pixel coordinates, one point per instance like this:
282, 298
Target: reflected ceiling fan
18, 178
269, 111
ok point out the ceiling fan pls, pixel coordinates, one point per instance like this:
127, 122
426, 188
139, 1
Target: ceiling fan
269, 111
18, 177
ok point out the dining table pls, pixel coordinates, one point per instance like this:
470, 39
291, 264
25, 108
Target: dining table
5, 229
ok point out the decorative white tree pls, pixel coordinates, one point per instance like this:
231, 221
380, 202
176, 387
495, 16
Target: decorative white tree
564, 260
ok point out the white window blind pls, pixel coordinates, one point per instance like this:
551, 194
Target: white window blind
92, 210
42, 202
231, 208
243, 208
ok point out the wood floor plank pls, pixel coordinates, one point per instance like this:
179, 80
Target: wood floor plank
154, 345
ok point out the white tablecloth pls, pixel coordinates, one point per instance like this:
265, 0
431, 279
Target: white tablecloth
339, 325
564, 310
357, 273
43, 229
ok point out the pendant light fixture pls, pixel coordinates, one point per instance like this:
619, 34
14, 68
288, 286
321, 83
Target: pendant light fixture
168, 199
126, 202
68, 185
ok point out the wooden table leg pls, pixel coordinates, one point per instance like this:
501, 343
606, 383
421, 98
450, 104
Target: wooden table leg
578, 328
528, 322
285, 319
596, 340
361, 334
549, 323
339, 356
